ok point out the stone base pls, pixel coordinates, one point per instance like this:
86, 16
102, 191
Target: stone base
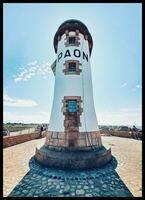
81, 139
73, 159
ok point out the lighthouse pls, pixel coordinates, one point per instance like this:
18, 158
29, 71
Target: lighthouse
73, 139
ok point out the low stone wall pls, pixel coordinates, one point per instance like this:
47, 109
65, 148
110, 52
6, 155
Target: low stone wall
17, 139
126, 134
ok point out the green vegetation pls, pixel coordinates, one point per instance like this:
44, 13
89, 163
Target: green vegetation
18, 126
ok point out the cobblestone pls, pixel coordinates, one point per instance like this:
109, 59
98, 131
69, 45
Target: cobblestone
116, 179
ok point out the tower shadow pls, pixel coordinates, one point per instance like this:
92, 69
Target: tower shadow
42, 181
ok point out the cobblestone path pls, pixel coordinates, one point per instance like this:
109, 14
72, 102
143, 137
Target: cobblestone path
120, 178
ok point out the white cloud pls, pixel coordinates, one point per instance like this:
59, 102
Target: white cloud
138, 86
32, 63
32, 69
42, 117
123, 85
14, 102
130, 109
123, 116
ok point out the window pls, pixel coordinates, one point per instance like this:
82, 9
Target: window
72, 67
72, 110
72, 40
72, 106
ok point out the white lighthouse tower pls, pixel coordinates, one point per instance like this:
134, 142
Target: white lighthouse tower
73, 126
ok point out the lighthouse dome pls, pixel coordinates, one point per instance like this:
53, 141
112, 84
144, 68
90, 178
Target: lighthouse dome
73, 25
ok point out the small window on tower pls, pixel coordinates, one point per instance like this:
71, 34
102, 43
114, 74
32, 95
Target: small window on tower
72, 106
72, 67
72, 40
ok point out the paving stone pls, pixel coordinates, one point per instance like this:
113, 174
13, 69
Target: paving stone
90, 181
46, 190
58, 187
44, 178
17, 193
79, 186
60, 191
39, 180
104, 186
86, 187
97, 190
80, 192
25, 191
88, 195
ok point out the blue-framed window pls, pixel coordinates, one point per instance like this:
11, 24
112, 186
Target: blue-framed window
72, 106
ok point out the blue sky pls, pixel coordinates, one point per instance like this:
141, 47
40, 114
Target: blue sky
116, 59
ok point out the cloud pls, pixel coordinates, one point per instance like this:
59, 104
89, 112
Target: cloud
14, 102
130, 109
138, 86
32, 69
32, 63
42, 117
122, 116
123, 85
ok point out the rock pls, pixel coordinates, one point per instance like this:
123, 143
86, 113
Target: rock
46, 190
88, 195
49, 183
25, 191
79, 192
86, 187
29, 187
90, 181
97, 190
67, 187
58, 187
104, 186
60, 191
18, 192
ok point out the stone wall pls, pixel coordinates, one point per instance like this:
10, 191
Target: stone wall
73, 159
125, 134
84, 139
17, 139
